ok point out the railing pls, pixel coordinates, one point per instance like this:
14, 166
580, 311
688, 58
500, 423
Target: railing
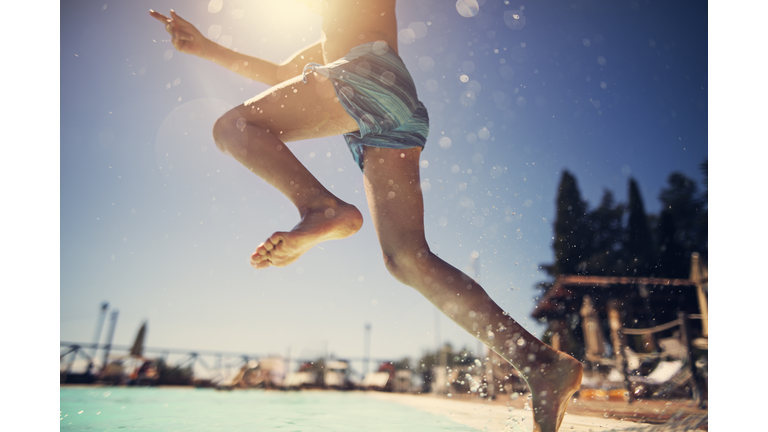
222, 359
72, 350
685, 339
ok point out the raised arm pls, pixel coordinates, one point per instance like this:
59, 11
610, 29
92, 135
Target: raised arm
187, 39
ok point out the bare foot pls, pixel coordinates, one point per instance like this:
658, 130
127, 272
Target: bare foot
332, 221
551, 390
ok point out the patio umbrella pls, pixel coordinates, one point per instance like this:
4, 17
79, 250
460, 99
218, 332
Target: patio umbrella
699, 277
137, 350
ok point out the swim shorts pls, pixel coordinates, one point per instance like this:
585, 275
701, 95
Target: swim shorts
375, 88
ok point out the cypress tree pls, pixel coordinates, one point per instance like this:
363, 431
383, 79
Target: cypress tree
680, 226
606, 232
639, 248
571, 242
671, 261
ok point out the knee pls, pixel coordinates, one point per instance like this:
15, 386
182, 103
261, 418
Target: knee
222, 130
408, 266
236, 136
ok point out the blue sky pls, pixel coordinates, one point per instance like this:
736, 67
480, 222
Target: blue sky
160, 224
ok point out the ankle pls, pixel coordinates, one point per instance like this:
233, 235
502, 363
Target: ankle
316, 200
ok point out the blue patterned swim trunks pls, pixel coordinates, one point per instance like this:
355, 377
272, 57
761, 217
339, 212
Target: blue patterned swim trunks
375, 88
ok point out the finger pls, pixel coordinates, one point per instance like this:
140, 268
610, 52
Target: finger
158, 16
177, 17
186, 37
176, 43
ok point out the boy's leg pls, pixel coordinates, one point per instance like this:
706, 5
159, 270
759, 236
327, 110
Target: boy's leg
255, 134
392, 186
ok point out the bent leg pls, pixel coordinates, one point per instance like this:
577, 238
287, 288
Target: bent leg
255, 134
392, 186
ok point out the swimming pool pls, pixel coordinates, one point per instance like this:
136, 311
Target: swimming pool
190, 409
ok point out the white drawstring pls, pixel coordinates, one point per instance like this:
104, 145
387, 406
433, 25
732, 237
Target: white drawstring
311, 67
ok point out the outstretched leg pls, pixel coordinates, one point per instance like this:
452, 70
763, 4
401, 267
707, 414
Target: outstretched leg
393, 190
255, 134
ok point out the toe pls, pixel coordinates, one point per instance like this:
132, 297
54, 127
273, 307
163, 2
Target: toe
264, 248
259, 262
275, 238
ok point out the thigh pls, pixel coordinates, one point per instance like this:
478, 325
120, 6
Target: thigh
294, 110
393, 189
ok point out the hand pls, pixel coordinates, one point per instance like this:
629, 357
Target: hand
186, 38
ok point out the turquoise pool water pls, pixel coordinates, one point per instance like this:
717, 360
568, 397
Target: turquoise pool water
189, 409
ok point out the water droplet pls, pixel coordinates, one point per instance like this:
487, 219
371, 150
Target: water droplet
419, 29
514, 19
445, 143
426, 64
406, 36
214, 6
380, 48
467, 8
468, 98
330, 213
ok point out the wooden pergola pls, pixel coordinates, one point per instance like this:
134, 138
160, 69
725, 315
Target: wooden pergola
671, 300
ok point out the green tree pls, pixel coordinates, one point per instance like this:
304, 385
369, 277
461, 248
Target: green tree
606, 233
638, 250
682, 226
572, 234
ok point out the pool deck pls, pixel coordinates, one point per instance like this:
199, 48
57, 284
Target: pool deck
581, 416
